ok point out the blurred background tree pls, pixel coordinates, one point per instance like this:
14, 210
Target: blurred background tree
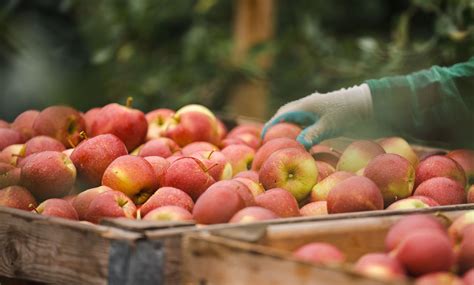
170, 53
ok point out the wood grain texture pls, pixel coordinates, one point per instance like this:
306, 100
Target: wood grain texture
223, 257
53, 250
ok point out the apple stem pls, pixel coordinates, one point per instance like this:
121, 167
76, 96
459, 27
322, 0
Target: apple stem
70, 142
129, 102
207, 170
210, 154
83, 135
34, 209
139, 214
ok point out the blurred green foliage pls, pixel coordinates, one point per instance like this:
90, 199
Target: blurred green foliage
169, 53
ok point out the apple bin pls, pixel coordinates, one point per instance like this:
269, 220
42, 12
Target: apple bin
261, 253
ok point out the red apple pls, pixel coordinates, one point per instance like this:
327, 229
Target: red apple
325, 153
41, 143
92, 157
380, 266
240, 157
192, 123
439, 166
128, 124
247, 139
169, 213
133, 176
4, 124
465, 158
216, 163
62, 123
357, 155
469, 277
425, 251
279, 201
11, 154
252, 214
9, 137
89, 118
312, 209
466, 249
221, 129
217, 205
456, 229
470, 194
245, 128
354, 194
163, 147
321, 190
24, 123
160, 166
83, 200
443, 190
271, 147
320, 253
409, 224
324, 170
156, 122
198, 146
17, 197
48, 174
110, 204
282, 130
292, 169
167, 196
190, 175
250, 174
397, 145
254, 187
393, 175
57, 208
414, 202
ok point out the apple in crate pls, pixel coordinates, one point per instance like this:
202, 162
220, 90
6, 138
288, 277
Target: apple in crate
465, 256
324, 170
192, 123
9, 137
83, 200
4, 124
439, 278
41, 143
163, 147
398, 145
357, 155
239, 156
198, 146
110, 204
93, 155
24, 123
321, 190
469, 277
62, 123
354, 194
160, 166
128, 124
320, 253
271, 147
156, 122
133, 176
279, 201
17, 197
169, 213
217, 205
318, 208
57, 208
89, 118
413, 202
48, 174
282, 130
190, 175
465, 158
254, 187
11, 154
252, 214
292, 169
249, 174
393, 175
167, 196
439, 166
443, 190
380, 266
216, 163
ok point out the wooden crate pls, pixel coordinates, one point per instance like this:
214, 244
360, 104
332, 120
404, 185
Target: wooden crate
59, 251
261, 253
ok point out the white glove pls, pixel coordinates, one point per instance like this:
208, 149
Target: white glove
324, 114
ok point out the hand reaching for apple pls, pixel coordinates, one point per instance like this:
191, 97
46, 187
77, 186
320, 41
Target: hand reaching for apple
322, 115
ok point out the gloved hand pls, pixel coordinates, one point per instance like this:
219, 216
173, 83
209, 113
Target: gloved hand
323, 115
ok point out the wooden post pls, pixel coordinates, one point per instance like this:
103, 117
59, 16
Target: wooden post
254, 22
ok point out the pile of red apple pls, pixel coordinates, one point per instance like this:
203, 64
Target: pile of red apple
417, 246
116, 161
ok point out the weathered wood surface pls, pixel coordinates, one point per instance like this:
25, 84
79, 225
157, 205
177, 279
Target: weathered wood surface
226, 256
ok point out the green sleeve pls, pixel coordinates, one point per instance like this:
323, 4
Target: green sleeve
435, 104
